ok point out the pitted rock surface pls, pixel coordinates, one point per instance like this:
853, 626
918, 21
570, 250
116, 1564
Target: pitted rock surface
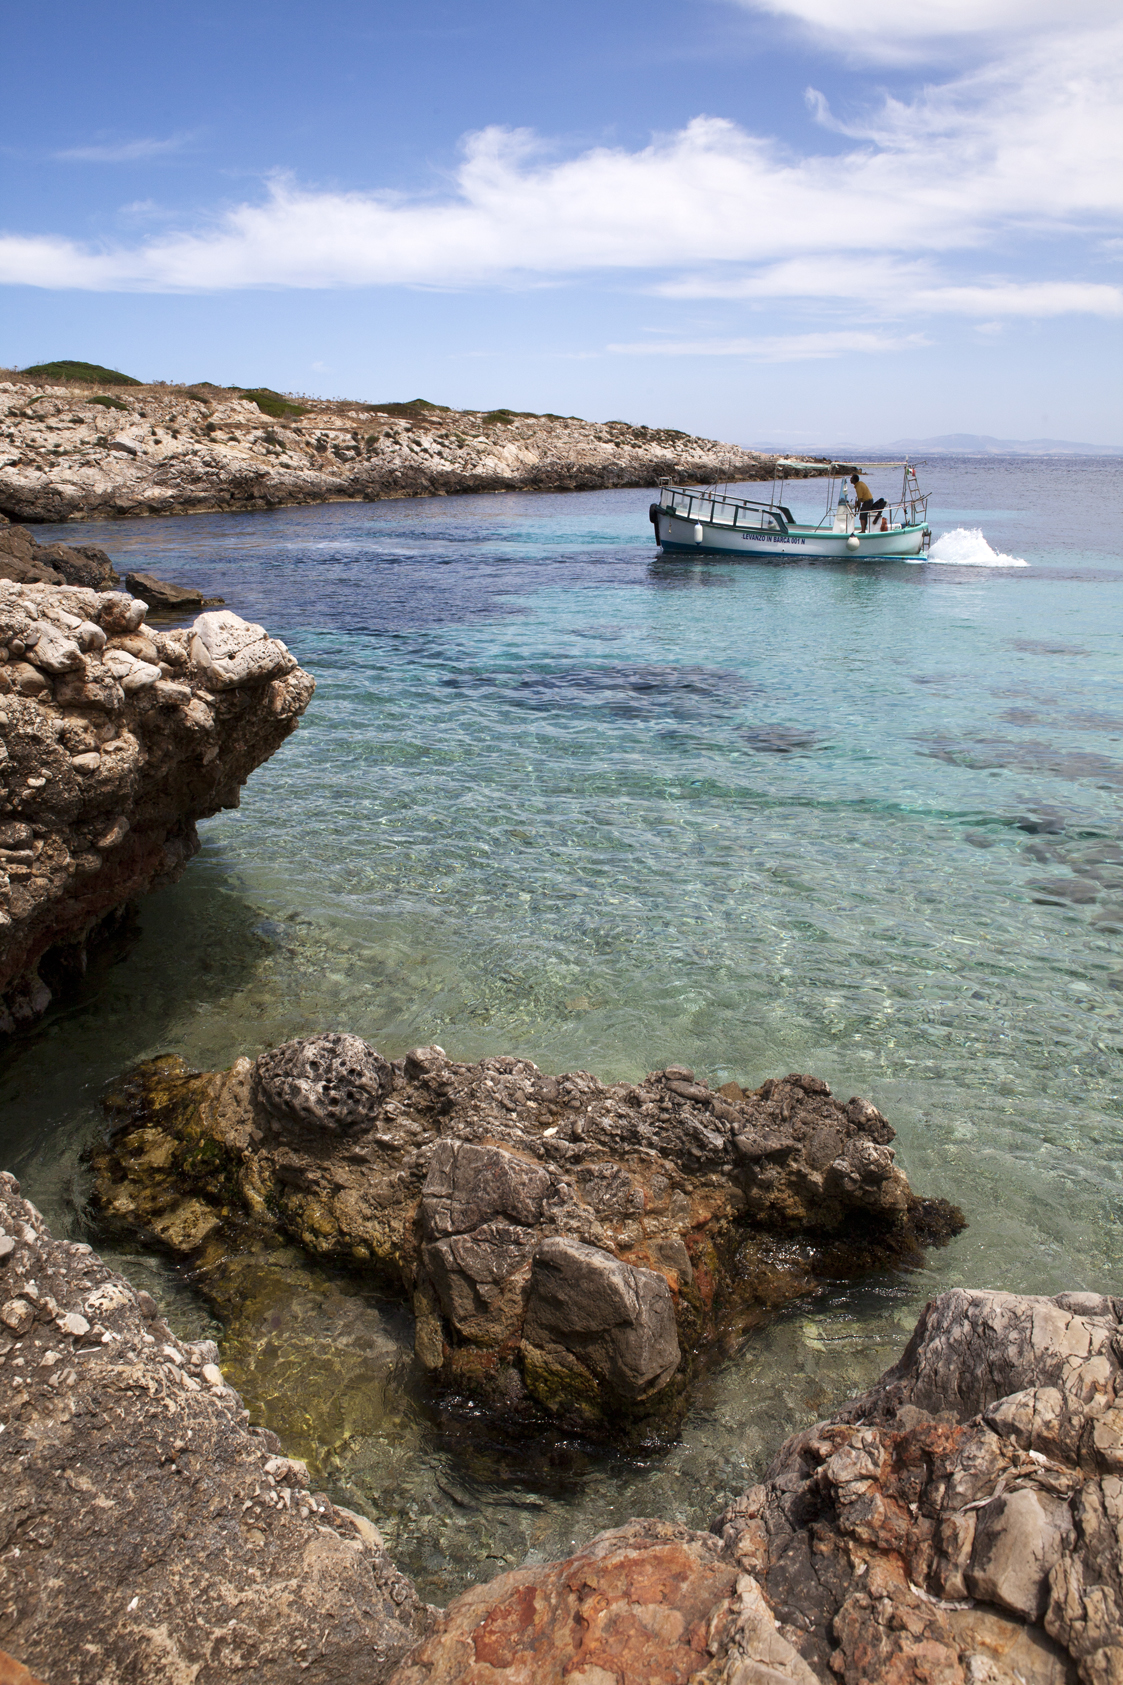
112, 746
567, 1247
324, 1082
147, 1533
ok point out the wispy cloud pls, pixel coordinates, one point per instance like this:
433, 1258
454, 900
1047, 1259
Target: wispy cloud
124, 151
888, 32
776, 348
889, 287
1027, 147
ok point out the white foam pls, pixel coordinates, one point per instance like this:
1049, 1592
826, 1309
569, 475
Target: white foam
965, 547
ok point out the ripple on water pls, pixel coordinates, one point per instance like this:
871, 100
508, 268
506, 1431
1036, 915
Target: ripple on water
561, 799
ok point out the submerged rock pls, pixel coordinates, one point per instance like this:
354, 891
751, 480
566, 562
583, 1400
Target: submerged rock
146, 1532
569, 1249
959, 1524
114, 740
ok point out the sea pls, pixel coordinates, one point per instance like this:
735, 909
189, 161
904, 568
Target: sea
560, 796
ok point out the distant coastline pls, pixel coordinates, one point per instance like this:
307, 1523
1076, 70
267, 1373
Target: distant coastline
966, 444
105, 447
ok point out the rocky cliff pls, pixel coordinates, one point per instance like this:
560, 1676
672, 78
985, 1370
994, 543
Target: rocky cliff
960, 1524
570, 1250
115, 739
73, 453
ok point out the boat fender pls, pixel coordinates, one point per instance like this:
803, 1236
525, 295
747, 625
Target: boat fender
852, 543
698, 534
653, 514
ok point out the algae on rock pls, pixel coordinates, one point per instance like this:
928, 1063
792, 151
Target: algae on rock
570, 1251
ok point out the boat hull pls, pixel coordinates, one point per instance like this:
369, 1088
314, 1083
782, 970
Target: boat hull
679, 535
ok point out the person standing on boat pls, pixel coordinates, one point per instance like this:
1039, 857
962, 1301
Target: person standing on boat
865, 499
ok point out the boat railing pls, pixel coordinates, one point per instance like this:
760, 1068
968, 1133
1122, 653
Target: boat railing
711, 507
690, 504
901, 513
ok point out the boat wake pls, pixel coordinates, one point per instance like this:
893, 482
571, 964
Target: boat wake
965, 547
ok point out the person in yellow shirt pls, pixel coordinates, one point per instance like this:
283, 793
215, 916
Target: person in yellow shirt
864, 499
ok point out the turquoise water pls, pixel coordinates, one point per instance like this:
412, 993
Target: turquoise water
556, 796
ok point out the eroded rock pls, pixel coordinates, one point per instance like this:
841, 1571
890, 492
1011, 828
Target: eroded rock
567, 1247
848, 1561
112, 746
171, 450
146, 1532
323, 1082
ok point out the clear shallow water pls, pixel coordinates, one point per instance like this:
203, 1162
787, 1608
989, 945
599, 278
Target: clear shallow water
556, 796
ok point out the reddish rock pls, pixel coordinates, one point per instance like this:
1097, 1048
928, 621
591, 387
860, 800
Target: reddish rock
641, 1605
14, 1673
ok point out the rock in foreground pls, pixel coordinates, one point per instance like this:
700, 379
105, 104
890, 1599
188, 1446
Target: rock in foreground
961, 1524
115, 739
146, 1532
569, 1248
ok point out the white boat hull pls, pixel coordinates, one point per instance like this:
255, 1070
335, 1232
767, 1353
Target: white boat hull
680, 534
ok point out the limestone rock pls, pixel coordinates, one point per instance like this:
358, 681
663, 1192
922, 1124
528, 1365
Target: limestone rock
146, 1531
162, 596
106, 765
231, 652
27, 562
617, 1319
641, 1605
567, 1247
962, 1520
173, 451
324, 1082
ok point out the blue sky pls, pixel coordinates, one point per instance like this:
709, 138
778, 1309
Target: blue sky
768, 220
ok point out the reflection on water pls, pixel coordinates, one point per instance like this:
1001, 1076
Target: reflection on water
559, 798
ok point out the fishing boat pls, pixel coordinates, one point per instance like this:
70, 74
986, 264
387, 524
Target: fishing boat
703, 520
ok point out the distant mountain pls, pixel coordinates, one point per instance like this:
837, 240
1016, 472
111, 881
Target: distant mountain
971, 444
951, 444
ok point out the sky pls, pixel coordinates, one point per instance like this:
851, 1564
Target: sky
771, 221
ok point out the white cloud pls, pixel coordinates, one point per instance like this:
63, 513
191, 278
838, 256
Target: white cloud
124, 151
889, 31
775, 348
1026, 147
892, 287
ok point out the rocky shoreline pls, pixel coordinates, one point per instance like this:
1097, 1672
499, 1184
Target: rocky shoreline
573, 1253
959, 1524
115, 738
70, 452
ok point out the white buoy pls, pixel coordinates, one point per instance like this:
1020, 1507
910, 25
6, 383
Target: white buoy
852, 543
697, 532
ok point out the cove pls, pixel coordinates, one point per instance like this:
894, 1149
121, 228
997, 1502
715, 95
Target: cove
558, 798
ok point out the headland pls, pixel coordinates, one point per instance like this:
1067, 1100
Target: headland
72, 450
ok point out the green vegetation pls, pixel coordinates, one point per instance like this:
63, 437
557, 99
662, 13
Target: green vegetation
108, 403
271, 403
91, 374
415, 407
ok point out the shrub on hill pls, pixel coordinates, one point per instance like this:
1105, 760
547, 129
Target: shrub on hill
415, 407
271, 403
109, 403
91, 374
